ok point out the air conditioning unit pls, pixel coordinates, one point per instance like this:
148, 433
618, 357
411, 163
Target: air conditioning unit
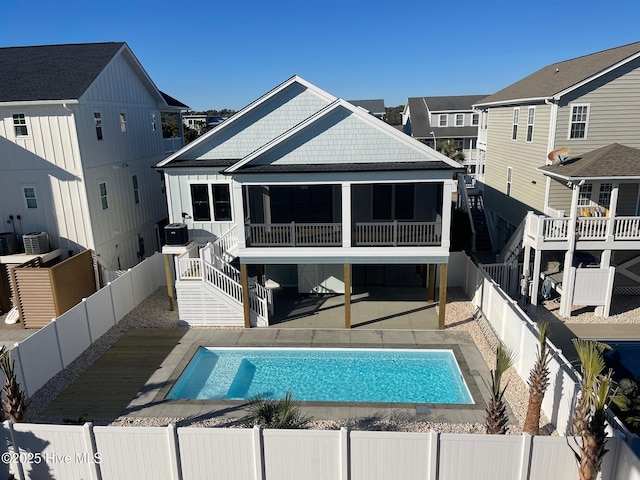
176, 234
36, 243
9, 243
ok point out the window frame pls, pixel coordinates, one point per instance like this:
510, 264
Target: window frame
26, 198
442, 116
104, 196
461, 117
20, 125
154, 122
604, 194
509, 181
571, 122
210, 201
135, 184
475, 119
123, 121
97, 122
514, 125
531, 118
584, 200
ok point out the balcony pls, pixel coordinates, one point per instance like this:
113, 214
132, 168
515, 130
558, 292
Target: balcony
588, 229
172, 144
365, 234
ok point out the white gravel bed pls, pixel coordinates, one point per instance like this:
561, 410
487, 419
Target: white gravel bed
625, 309
153, 313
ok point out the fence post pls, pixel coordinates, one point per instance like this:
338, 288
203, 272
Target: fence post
258, 453
86, 318
90, 446
174, 452
16, 450
55, 329
113, 303
345, 460
434, 455
525, 455
133, 290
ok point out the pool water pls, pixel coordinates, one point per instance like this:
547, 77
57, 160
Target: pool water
327, 375
625, 354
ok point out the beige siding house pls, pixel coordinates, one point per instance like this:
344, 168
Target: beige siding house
555, 117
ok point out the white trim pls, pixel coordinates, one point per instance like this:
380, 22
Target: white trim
27, 125
96, 126
367, 118
457, 115
513, 101
122, 118
106, 195
212, 217
24, 197
515, 122
244, 111
446, 120
532, 124
509, 182
36, 103
586, 122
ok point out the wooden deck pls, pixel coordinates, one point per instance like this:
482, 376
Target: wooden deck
108, 386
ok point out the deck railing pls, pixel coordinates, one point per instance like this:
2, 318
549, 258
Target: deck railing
587, 228
294, 234
627, 228
398, 233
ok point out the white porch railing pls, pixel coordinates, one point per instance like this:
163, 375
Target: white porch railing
398, 233
225, 245
294, 234
172, 144
587, 228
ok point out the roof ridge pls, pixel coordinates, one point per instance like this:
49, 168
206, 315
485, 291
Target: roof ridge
592, 53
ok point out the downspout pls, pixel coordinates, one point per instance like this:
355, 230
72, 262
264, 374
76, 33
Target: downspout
551, 141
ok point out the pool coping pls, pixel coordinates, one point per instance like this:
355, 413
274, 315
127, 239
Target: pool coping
151, 401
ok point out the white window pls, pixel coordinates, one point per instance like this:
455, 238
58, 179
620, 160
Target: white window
604, 196
104, 196
30, 198
442, 120
153, 122
584, 198
97, 118
531, 114
20, 125
475, 119
459, 119
509, 177
516, 118
579, 121
136, 190
123, 122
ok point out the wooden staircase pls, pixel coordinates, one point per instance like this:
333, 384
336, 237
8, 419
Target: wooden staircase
483, 239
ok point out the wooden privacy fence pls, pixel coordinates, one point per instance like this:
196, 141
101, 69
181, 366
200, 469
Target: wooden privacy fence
159, 453
52, 348
41, 293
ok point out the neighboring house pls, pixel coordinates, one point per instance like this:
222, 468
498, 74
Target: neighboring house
374, 107
195, 121
583, 103
80, 129
597, 193
574, 107
305, 190
446, 119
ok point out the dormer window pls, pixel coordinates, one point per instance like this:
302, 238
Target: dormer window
442, 120
459, 119
20, 125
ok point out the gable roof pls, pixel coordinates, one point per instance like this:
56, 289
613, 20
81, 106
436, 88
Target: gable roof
272, 157
372, 106
610, 162
419, 108
225, 130
52, 72
172, 102
557, 79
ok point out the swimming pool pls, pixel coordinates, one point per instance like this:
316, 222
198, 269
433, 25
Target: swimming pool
624, 357
324, 375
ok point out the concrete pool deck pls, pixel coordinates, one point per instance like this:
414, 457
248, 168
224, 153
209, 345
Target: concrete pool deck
151, 402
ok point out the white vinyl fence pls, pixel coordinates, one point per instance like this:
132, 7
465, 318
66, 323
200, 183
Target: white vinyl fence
52, 348
158, 453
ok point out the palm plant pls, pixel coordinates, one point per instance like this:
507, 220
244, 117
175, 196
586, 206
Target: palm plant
451, 150
538, 382
597, 392
496, 411
276, 413
14, 405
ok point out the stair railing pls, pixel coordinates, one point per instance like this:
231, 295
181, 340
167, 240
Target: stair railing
463, 203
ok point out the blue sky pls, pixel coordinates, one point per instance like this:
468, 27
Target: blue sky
226, 54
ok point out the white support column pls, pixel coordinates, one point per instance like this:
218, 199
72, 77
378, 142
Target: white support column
238, 213
535, 280
613, 205
346, 215
447, 191
567, 279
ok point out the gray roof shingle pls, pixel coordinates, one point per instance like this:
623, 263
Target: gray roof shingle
557, 77
372, 106
52, 72
610, 161
422, 128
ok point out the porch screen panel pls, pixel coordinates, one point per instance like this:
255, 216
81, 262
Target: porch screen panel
404, 203
200, 203
382, 201
301, 204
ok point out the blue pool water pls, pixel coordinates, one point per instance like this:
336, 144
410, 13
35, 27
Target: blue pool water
625, 353
329, 375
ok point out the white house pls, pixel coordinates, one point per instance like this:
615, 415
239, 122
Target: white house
80, 130
305, 189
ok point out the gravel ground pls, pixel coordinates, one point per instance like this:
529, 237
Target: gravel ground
153, 313
624, 309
